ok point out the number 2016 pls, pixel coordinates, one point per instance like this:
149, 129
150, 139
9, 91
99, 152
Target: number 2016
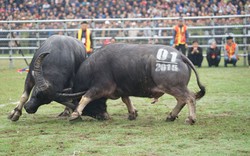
162, 55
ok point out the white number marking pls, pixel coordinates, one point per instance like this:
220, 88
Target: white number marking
162, 54
173, 58
160, 67
164, 63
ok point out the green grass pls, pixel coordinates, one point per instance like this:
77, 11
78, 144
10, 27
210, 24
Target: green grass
222, 128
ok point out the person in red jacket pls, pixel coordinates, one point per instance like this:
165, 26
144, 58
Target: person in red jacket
180, 36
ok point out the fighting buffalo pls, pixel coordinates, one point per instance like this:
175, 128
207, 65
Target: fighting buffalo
59, 70
123, 70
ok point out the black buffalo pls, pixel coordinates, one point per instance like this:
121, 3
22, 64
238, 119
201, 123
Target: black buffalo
59, 69
123, 70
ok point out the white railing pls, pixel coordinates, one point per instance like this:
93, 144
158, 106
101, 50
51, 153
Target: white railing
70, 27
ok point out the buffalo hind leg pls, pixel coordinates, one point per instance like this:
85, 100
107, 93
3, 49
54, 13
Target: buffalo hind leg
192, 110
17, 112
174, 114
184, 96
131, 108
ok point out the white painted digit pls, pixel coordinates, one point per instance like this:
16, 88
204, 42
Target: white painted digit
174, 56
163, 67
174, 67
168, 67
158, 67
162, 54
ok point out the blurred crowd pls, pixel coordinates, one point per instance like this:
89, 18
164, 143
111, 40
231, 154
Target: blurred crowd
106, 9
79, 9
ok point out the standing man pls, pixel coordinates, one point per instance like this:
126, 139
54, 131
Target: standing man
231, 52
180, 36
85, 36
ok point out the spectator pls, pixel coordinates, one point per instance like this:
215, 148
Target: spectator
109, 41
195, 54
231, 52
84, 34
248, 56
113, 40
106, 33
106, 42
180, 36
133, 33
213, 55
147, 32
46, 5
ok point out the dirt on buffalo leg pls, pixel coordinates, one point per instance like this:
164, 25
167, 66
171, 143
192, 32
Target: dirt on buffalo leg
17, 112
131, 108
78, 112
192, 111
174, 114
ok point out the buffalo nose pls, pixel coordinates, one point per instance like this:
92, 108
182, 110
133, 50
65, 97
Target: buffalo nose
29, 109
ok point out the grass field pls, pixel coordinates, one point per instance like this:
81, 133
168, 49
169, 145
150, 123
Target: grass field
222, 128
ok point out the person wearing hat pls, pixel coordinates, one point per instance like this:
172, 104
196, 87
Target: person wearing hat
195, 54
231, 52
213, 54
180, 36
85, 36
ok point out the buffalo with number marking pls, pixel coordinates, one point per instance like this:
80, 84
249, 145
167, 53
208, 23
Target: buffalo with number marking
123, 70
59, 69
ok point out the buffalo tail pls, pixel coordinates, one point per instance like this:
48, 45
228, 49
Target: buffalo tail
202, 92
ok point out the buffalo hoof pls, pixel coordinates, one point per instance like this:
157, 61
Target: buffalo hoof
65, 113
133, 115
171, 118
15, 114
190, 120
75, 116
104, 116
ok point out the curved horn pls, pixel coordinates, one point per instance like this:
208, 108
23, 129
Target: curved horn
42, 84
67, 90
70, 95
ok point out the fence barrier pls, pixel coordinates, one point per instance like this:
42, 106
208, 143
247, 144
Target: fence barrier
27, 35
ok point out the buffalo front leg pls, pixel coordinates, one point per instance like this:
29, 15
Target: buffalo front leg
131, 108
65, 113
68, 109
76, 115
17, 112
